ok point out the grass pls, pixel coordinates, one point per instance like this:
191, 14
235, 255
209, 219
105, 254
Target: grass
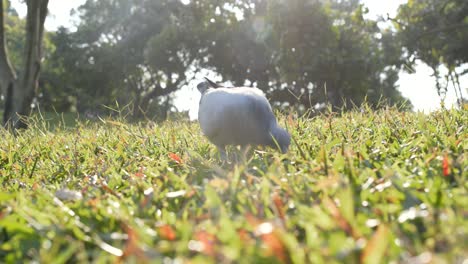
362, 187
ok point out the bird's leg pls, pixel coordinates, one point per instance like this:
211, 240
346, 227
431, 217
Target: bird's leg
243, 153
222, 153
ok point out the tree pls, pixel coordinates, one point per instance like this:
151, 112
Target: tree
329, 53
123, 51
302, 52
436, 32
20, 88
141, 51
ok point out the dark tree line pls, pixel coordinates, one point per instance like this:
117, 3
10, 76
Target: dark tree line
302, 53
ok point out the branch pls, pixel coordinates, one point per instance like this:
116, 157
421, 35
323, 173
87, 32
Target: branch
463, 72
159, 91
438, 30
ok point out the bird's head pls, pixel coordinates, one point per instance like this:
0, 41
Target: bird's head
207, 84
203, 86
282, 138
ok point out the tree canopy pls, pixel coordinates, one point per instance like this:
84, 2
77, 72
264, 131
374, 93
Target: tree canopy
436, 32
304, 53
301, 53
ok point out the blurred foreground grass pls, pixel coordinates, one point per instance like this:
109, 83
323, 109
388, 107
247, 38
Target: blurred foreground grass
363, 187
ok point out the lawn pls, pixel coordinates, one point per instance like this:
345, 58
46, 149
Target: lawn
360, 187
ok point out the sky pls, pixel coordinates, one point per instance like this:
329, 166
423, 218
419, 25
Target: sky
419, 87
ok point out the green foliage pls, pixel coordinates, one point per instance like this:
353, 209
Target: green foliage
328, 52
436, 32
14, 28
300, 52
15, 36
360, 187
303, 53
108, 58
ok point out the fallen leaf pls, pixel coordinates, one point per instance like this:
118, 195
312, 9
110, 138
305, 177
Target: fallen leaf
148, 195
175, 158
269, 235
275, 246
167, 232
273, 243
252, 220
376, 247
93, 203
433, 156
445, 166
2, 214
219, 183
109, 190
279, 206
340, 219
140, 173
206, 243
191, 193
291, 122
244, 235
131, 246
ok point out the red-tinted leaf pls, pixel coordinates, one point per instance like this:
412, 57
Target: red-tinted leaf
252, 220
272, 241
445, 166
109, 190
269, 235
202, 217
93, 203
433, 156
207, 242
191, 193
2, 214
131, 246
244, 235
275, 246
377, 246
339, 218
166, 232
85, 189
175, 158
279, 206
148, 195
291, 122
140, 173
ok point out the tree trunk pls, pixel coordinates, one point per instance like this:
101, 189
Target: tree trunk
21, 91
7, 73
